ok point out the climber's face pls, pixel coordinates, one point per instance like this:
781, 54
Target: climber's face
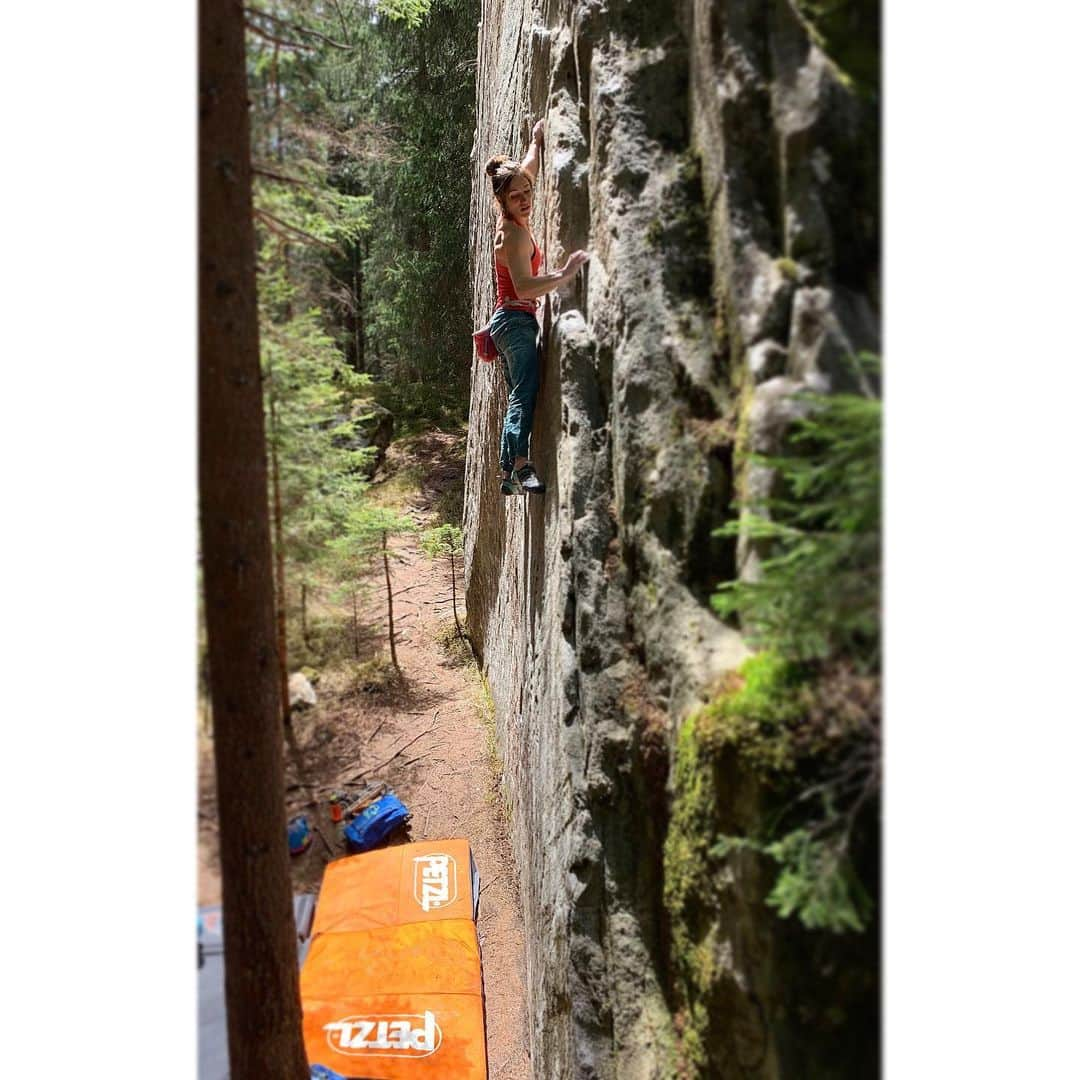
518, 198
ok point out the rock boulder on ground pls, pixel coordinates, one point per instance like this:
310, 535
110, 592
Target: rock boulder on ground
301, 692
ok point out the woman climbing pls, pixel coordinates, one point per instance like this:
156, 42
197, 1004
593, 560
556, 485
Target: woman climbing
513, 327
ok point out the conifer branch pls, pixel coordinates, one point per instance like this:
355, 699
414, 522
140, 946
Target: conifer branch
297, 28
276, 225
261, 170
266, 35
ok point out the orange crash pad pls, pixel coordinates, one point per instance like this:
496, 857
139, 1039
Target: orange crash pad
437, 958
398, 1037
392, 984
433, 879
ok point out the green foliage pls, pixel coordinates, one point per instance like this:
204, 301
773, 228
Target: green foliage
360, 113
818, 593
411, 12
361, 136
310, 395
818, 883
756, 713
759, 715
442, 542
849, 32
361, 538
813, 608
416, 265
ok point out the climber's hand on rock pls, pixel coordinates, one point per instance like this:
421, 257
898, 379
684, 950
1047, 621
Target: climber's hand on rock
576, 260
538, 131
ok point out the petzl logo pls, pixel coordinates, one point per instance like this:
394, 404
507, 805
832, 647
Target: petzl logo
393, 1035
434, 881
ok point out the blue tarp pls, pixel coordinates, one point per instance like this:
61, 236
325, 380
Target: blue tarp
213, 1037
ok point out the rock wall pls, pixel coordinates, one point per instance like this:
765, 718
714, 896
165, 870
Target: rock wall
721, 169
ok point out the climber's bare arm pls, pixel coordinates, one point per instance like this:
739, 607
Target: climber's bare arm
531, 163
513, 246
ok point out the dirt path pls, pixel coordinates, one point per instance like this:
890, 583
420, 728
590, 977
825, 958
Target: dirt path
430, 740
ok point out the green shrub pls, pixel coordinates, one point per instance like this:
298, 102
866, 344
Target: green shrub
818, 774
818, 593
804, 713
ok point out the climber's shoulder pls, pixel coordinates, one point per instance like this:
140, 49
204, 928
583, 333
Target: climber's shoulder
511, 238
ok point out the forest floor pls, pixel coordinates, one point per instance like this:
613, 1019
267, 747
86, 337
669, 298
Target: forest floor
429, 737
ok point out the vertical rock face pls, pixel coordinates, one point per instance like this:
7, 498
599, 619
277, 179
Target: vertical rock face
721, 170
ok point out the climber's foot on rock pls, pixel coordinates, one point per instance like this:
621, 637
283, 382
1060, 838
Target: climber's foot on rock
529, 482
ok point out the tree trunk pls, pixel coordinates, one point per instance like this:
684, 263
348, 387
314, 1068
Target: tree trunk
277, 108
453, 594
279, 550
355, 629
279, 564
389, 604
261, 979
358, 307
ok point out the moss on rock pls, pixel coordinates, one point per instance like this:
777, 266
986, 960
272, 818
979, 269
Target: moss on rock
749, 722
736, 957
849, 33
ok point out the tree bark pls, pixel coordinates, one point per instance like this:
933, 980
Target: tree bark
358, 308
389, 604
279, 565
453, 594
261, 978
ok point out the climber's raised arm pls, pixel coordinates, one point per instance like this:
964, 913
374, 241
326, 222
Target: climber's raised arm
531, 162
513, 245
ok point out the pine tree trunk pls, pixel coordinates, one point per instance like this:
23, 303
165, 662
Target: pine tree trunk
277, 109
279, 563
357, 309
453, 594
390, 604
261, 977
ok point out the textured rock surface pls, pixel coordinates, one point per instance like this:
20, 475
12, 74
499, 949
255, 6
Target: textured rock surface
713, 160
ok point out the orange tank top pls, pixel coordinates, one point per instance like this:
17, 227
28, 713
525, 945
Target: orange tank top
505, 296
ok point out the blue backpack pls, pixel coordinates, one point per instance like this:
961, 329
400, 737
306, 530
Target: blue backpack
376, 822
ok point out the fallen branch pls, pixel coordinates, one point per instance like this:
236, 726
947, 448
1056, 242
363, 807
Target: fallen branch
426, 753
398, 752
324, 840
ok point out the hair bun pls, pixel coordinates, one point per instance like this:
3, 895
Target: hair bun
492, 167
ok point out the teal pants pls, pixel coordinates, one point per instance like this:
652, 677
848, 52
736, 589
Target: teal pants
514, 334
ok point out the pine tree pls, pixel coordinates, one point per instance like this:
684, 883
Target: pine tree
261, 978
446, 542
365, 541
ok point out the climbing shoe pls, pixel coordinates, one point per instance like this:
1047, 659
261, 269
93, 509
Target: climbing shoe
529, 482
510, 486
